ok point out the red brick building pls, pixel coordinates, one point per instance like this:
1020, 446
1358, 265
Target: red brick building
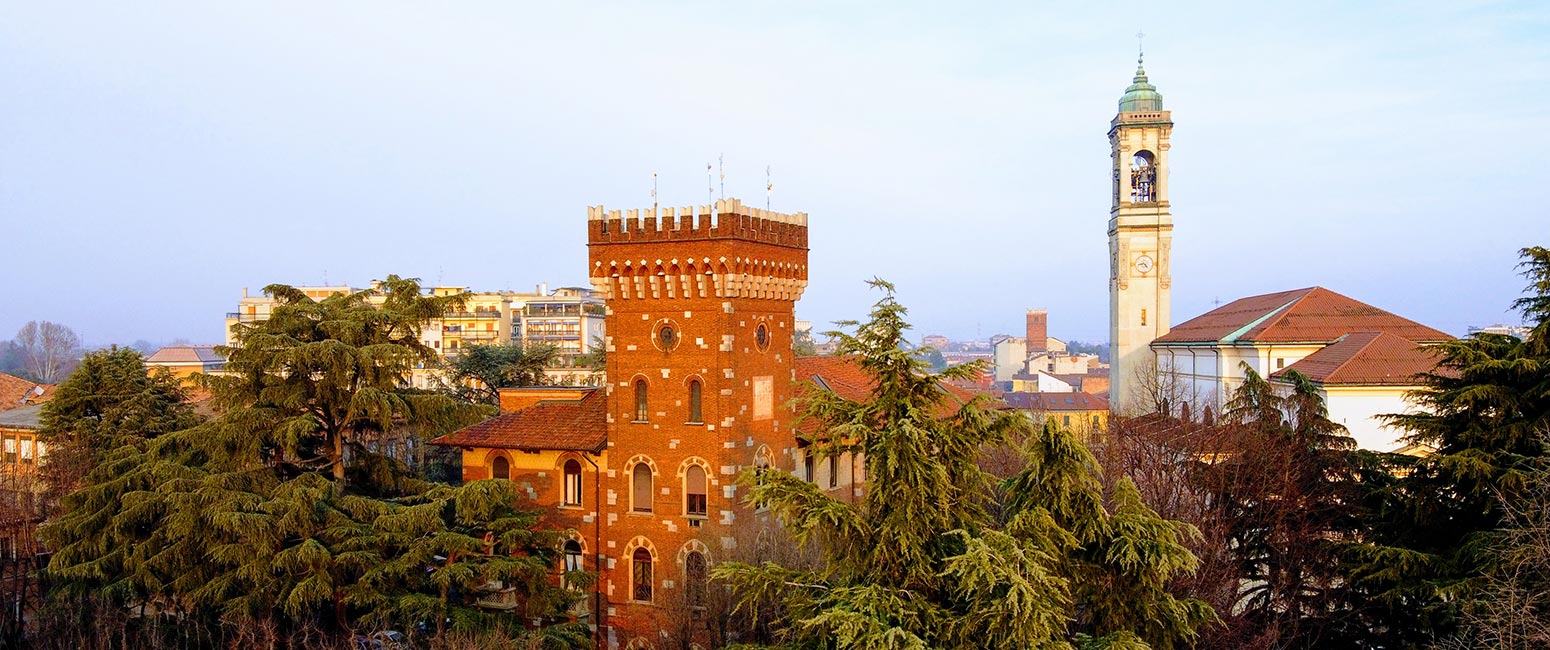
699, 347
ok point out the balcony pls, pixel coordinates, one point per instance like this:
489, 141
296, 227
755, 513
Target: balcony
471, 315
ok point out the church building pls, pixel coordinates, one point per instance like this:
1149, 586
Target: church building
1362, 359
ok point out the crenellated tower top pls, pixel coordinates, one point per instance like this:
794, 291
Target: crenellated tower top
726, 219
723, 250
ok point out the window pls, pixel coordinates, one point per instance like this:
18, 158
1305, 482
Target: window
694, 491
500, 467
695, 573
834, 471
1065, 420
807, 466
696, 393
640, 400
761, 336
1143, 177
642, 574
668, 337
1095, 421
572, 483
1280, 363
572, 559
640, 500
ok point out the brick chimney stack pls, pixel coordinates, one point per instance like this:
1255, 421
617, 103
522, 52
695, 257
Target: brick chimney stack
1038, 330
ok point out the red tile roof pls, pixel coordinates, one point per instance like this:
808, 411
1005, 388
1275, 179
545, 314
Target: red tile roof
1056, 401
1312, 315
570, 425
846, 379
16, 392
1366, 359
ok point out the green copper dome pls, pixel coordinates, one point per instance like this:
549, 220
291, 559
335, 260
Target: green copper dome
1141, 95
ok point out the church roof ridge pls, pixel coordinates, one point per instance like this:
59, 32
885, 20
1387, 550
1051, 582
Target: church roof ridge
1312, 314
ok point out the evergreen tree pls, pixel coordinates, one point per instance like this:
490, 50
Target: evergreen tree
1486, 410
111, 400
480, 371
248, 519
919, 562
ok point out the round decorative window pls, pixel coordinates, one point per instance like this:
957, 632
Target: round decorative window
761, 337
667, 337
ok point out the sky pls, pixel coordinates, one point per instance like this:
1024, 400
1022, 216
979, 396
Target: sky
158, 158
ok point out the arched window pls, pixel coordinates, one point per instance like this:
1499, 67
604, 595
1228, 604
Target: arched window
811, 474
834, 471
641, 488
573, 560
640, 400
695, 573
500, 467
696, 394
572, 483
641, 574
1143, 177
694, 491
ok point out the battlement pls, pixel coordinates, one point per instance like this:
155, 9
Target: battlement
726, 219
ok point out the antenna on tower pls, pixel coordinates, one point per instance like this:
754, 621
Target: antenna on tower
721, 168
769, 187
653, 193
325, 277
710, 189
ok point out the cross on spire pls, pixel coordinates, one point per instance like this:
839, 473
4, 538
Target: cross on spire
1140, 46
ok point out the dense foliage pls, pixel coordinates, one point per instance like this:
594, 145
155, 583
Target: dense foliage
1486, 409
275, 522
920, 562
479, 372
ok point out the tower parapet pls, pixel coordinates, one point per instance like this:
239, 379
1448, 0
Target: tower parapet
724, 250
726, 219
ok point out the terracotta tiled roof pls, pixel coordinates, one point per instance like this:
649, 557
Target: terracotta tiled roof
1055, 402
1366, 359
846, 379
186, 354
16, 392
571, 425
1313, 315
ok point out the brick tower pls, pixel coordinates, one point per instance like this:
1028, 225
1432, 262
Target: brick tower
700, 323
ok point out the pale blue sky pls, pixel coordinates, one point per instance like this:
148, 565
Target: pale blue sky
156, 158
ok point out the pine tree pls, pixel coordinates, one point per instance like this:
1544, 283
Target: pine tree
480, 371
250, 519
919, 562
1486, 410
110, 400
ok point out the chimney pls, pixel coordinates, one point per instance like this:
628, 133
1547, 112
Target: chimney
543, 288
1038, 330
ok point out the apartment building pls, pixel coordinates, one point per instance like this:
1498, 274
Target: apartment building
570, 319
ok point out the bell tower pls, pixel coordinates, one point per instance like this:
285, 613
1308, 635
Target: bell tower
1140, 242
